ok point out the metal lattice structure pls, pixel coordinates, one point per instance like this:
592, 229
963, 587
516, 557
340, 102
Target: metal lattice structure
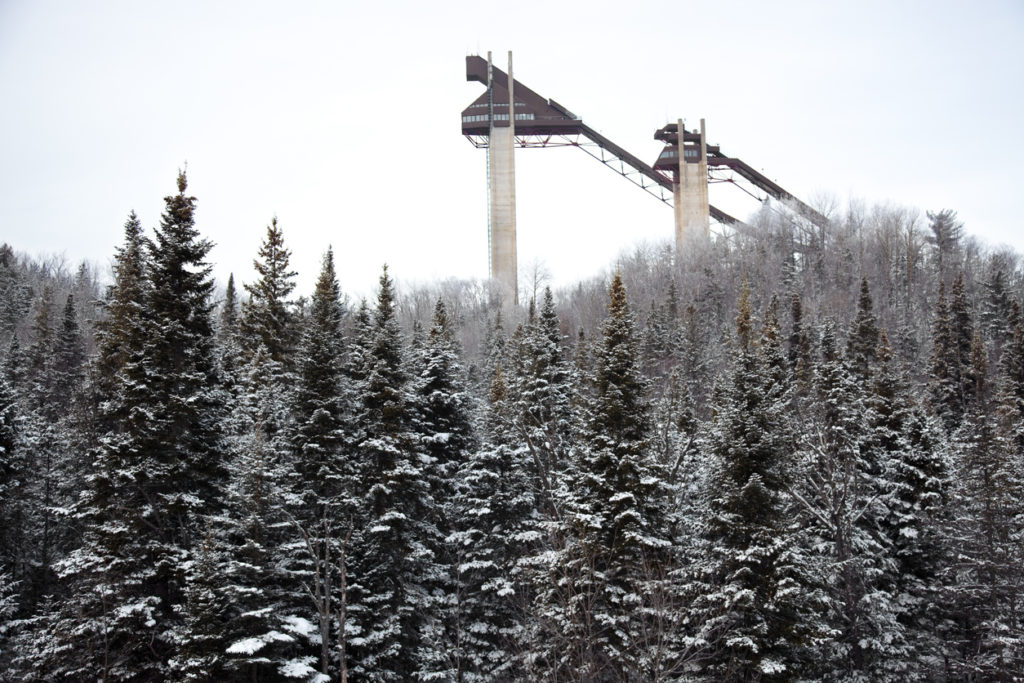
519, 117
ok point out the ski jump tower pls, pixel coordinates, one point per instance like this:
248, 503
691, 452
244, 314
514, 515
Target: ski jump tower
509, 115
689, 172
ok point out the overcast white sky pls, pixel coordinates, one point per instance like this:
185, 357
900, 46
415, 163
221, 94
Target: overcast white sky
342, 119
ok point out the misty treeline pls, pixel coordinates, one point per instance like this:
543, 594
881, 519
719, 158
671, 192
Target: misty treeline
791, 453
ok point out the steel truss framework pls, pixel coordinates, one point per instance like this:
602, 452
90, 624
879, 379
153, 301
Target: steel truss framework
552, 125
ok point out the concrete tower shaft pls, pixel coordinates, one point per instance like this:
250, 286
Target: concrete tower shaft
501, 174
690, 192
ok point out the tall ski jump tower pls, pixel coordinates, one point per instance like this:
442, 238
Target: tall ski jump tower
686, 157
509, 115
501, 181
497, 110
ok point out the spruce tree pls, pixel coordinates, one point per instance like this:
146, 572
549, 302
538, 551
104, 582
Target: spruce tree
158, 469
229, 338
119, 334
862, 345
441, 411
913, 459
13, 560
266, 317
389, 600
752, 595
494, 527
943, 390
544, 413
324, 481
988, 541
848, 496
617, 515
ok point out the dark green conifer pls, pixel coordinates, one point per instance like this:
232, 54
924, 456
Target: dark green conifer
266, 317
389, 603
752, 595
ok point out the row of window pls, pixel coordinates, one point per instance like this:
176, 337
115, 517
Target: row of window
483, 105
473, 118
690, 152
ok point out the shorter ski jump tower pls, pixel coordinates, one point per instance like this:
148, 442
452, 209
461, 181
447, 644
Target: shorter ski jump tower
509, 115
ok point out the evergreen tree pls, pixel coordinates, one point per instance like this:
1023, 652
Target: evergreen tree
988, 541
961, 336
266, 318
158, 469
12, 493
1010, 386
943, 368
325, 486
862, 346
799, 348
541, 398
184, 441
849, 498
995, 314
389, 599
15, 293
914, 461
119, 335
752, 596
617, 516
441, 411
41, 349
229, 338
946, 233
495, 526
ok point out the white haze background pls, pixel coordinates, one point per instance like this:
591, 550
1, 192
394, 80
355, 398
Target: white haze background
342, 119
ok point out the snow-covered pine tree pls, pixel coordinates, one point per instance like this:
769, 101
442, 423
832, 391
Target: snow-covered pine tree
183, 442
12, 503
942, 389
799, 349
51, 383
266, 317
847, 502
239, 624
15, 294
389, 599
108, 630
325, 499
158, 469
753, 607
995, 309
1010, 387
441, 411
544, 414
914, 460
862, 344
988, 542
229, 339
494, 526
118, 332
617, 520
950, 365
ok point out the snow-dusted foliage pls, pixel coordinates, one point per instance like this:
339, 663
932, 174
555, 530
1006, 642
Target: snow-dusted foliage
806, 462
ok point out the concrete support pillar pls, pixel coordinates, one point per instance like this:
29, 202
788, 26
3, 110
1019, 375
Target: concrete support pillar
504, 269
690, 194
502, 205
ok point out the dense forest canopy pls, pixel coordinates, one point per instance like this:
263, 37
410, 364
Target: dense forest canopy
794, 452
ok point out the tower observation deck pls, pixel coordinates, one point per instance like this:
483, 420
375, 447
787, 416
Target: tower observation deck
508, 115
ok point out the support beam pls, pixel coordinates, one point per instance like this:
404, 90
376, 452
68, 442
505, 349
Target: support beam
690, 194
502, 199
